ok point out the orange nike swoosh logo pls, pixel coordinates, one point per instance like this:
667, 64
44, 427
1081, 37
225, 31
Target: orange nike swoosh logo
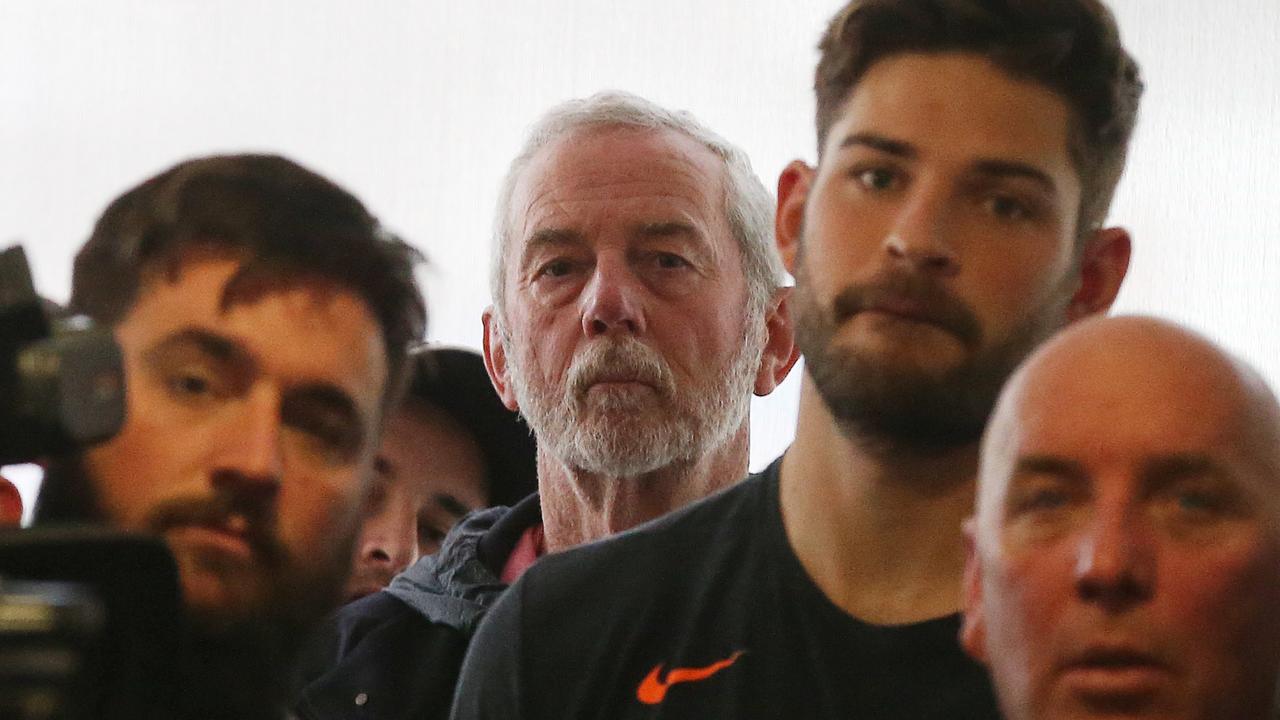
653, 689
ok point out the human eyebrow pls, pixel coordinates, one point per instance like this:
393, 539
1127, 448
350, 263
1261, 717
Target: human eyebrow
451, 504
1007, 169
551, 237
675, 230
1051, 465
1168, 469
881, 143
666, 229
210, 345
547, 239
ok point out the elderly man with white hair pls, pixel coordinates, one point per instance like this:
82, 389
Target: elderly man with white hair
637, 306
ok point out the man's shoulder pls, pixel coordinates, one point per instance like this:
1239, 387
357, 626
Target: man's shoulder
385, 658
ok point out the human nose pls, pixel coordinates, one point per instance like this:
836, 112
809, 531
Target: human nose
250, 459
389, 544
920, 236
1115, 565
612, 299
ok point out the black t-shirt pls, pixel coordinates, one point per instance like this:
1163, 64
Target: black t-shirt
706, 613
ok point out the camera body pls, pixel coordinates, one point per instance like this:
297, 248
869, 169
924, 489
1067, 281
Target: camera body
90, 625
61, 379
89, 618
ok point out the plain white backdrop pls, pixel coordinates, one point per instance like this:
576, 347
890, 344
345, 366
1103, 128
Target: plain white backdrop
417, 107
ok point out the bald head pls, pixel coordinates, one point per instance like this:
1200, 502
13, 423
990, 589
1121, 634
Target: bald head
1127, 380
1126, 551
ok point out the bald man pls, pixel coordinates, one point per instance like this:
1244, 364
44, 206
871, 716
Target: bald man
1125, 556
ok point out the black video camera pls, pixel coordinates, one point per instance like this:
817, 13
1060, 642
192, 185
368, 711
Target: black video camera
88, 617
61, 380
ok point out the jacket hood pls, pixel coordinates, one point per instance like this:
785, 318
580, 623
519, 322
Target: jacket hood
457, 584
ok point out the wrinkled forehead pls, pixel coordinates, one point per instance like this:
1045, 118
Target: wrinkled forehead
617, 165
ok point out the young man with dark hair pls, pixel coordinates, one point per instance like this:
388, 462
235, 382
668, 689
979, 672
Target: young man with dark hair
968, 150
263, 315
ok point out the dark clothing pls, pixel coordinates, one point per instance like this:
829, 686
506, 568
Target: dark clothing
396, 653
706, 613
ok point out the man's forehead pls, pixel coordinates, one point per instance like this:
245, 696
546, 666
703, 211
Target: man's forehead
254, 309
904, 96
1105, 405
617, 165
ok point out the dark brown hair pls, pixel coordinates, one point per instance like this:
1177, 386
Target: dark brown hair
282, 220
1071, 47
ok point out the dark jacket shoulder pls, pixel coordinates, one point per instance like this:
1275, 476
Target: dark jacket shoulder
397, 653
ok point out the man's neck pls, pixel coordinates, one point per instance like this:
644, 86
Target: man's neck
579, 507
878, 532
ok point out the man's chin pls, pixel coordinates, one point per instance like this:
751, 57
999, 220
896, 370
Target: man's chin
216, 591
215, 600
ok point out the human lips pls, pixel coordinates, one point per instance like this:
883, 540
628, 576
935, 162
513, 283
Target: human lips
903, 308
229, 538
607, 381
912, 300
1114, 670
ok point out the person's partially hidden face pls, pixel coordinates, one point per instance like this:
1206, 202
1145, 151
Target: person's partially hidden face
429, 473
252, 420
627, 338
1128, 554
937, 244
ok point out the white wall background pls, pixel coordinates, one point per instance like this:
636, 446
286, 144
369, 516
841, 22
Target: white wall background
418, 106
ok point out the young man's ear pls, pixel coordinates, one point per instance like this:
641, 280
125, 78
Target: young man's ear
793, 192
1104, 261
495, 360
780, 351
973, 629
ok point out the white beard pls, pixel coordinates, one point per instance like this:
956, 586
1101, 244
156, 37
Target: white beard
632, 430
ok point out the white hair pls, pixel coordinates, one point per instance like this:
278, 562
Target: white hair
748, 205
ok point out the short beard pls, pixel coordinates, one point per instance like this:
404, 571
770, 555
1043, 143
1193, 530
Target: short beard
620, 435
233, 662
892, 409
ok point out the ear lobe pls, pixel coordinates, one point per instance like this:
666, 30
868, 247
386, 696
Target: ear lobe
793, 192
10, 504
495, 360
780, 351
973, 628
1104, 262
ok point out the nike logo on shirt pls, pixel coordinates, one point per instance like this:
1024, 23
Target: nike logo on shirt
653, 689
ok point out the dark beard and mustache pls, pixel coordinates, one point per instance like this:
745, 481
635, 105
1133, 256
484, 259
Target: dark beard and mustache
230, 662
901, 408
